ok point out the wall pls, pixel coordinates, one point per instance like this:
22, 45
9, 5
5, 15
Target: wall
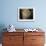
8, 14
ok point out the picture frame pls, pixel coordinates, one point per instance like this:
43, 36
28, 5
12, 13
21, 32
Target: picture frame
26, 14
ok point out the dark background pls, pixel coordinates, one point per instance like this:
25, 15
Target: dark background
30, 17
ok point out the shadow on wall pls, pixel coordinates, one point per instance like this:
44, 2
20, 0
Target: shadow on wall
2, 26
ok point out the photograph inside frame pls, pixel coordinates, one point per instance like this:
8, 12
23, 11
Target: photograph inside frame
26, 14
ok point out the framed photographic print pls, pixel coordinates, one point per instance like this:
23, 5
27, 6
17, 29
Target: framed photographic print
26, 14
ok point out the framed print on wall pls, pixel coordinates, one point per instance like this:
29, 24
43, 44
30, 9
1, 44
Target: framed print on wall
26, 14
